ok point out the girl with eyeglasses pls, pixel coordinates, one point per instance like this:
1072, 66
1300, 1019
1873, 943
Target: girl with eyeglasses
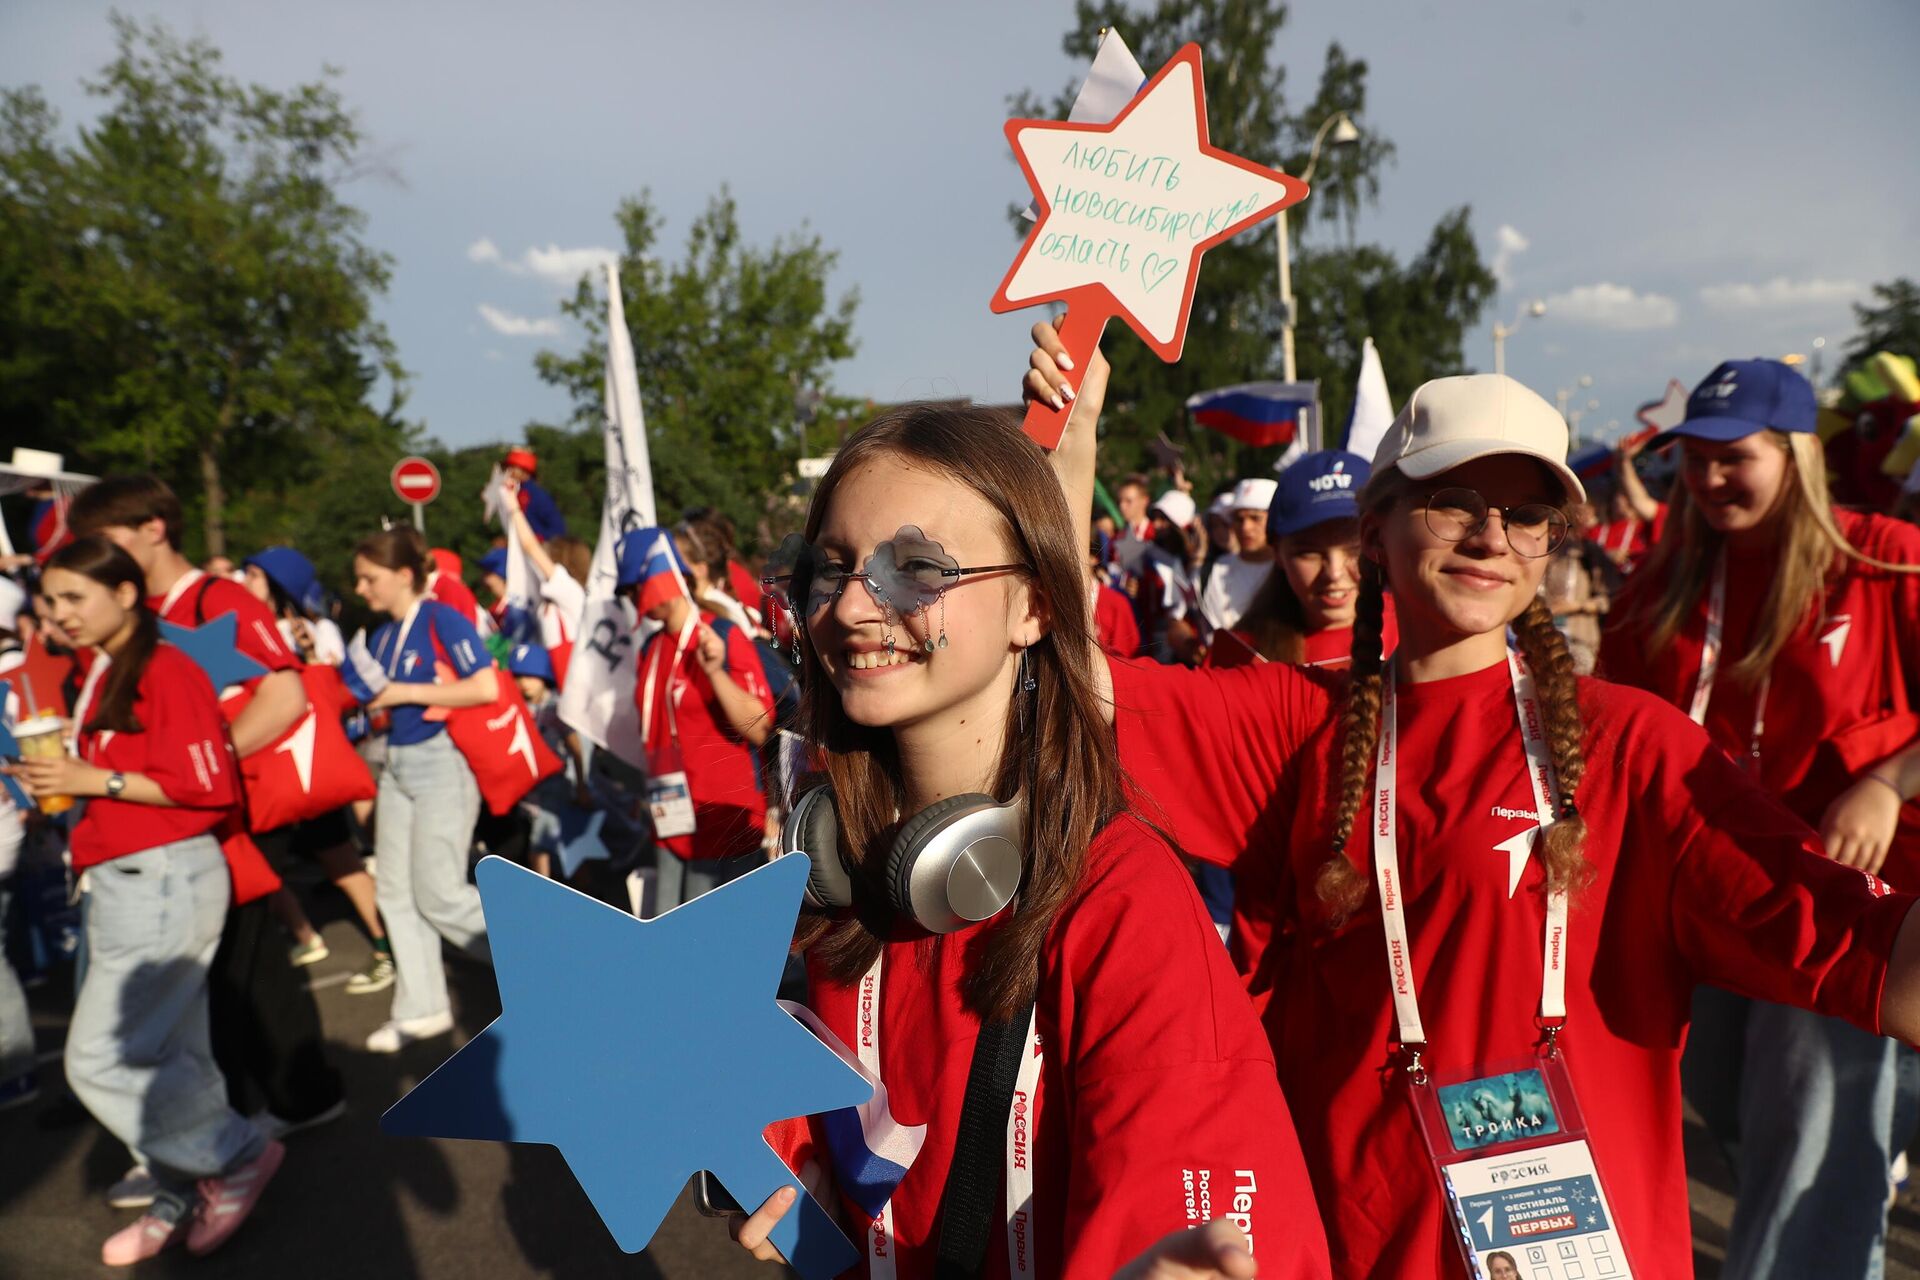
1484, 879
1787, 627
979, 886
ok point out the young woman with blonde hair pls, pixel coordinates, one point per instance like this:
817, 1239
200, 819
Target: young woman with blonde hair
1471, 869
1790, 629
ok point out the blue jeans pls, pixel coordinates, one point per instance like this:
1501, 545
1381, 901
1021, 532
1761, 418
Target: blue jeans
138, 1054
1824, 1107
16, 1023
423, 827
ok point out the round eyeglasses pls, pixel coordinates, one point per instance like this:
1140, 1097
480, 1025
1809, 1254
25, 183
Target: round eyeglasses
1533, 529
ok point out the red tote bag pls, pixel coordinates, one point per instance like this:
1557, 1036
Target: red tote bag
502, 747
312, 769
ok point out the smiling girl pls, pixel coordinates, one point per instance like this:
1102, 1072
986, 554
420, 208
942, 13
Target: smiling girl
976, 867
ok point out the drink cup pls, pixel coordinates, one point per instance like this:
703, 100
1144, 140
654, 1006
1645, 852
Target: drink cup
40, 739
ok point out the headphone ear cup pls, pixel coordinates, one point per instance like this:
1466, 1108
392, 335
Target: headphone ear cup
913, 838
813, 828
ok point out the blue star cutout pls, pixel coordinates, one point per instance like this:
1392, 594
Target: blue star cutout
10, 750
641, 1091
580, 840
211, 646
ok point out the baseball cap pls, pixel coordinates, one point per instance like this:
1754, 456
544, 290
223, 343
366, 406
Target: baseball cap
1741, 397
1320, 487
530, 660
13, 598
1222, 504
523, 458
293, 573
495, 562
1175, 506
1452, 421
1254, 495
636, 545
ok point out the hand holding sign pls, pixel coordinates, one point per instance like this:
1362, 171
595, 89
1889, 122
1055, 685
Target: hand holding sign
1127, 210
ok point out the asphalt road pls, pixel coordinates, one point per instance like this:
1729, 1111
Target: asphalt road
352, 1202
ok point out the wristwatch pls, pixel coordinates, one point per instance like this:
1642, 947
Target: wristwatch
116, 783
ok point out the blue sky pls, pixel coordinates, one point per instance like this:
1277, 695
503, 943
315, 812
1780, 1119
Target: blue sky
1680, 180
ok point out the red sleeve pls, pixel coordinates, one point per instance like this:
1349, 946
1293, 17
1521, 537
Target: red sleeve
187, 754
1113, 617
257, 635
1177, 1115
1756, 907
1206, 750
743, 664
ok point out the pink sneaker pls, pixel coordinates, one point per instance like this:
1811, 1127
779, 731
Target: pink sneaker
140, 1240
226, 1201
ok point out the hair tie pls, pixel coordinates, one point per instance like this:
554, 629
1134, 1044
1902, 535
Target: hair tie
1568, 809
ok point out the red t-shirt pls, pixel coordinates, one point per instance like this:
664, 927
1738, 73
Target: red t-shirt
450, 591
1157, 1100
195, 598
1113, 622
1842, 694
1628, 540
746, 589
183, 747
729, 810
1699, 876
1331, 648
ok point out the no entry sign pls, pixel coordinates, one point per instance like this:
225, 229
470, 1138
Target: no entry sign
417, 481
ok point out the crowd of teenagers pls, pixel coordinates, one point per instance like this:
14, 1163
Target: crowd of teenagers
1277, 868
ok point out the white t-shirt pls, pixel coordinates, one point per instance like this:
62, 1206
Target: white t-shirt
1231, 588
329, 646
565, 600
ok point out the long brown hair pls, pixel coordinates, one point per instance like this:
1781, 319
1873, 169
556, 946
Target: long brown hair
1811, 546
1275, 620
1340, 884
96, 558
1066, 741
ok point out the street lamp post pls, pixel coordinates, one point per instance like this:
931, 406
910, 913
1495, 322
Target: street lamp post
1501, 332
1565, 394
1344, 132
1573, 422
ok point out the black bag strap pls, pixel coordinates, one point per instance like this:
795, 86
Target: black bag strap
974, 1179
200, 599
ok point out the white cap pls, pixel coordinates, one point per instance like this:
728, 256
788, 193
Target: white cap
13, 598
1175, 506
1222, 504
1254, 495
1452, 421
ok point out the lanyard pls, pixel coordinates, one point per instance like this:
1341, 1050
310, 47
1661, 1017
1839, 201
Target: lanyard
673, 672
178, 589
400, 638
1710, 653
1021, 1229
1386, 863
83, 705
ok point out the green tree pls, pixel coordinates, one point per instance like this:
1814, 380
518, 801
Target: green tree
733, 344
187, 292
1890, 323
1417, 312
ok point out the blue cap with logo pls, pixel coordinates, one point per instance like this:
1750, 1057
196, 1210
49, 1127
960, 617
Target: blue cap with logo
1744, 396
530, 660
1320, 487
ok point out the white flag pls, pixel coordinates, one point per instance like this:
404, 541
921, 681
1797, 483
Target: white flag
1111, 84
1372, 408
521, 616
598, 698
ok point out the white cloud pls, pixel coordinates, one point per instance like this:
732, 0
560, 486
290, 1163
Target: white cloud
513, 326
1508, 244
1782, 294
553, 264
1613, 306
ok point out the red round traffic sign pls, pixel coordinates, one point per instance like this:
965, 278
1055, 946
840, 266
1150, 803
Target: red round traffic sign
416, 480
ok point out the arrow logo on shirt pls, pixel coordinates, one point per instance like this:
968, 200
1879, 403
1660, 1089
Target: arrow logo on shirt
522, 745
1836, 637
408, 663
299, 745
1518, 849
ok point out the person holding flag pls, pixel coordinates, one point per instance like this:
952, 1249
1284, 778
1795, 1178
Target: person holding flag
429, 800
700, 723
543, 515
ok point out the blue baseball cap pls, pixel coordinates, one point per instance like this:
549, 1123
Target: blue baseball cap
1320, 487
495, 562
294, 574
636, 545
530, 660
1744, 396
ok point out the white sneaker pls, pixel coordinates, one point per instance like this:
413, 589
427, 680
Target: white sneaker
135, 1190
391, 1037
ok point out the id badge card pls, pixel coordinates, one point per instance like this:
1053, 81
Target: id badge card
668, 799
1524, 1197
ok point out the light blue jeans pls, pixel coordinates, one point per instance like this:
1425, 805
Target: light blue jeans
1824, 1107
138, 1055
16, 1023
423, 828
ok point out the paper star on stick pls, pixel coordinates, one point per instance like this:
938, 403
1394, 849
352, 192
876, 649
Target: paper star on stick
211, 646
1127, 209
642, 1090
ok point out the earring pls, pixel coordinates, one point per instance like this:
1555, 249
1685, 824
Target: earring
886, 626
943, 619
1027, 685
793, 619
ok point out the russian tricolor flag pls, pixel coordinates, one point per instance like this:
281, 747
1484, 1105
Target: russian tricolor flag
1262, 414
871, 1151
651, 565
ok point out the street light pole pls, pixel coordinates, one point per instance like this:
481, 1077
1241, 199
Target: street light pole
1501, 332
1344, 132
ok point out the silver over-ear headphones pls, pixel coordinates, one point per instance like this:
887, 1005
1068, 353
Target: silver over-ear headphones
956, 863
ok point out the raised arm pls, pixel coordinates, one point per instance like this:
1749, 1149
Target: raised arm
1638, 499
529, 541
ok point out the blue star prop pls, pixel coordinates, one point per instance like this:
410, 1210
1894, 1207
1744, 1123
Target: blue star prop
580, 840
211, 646
10, 750
642, 1091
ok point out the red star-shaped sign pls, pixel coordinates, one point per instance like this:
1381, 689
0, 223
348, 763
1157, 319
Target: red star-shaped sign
1127, 209
39, 679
